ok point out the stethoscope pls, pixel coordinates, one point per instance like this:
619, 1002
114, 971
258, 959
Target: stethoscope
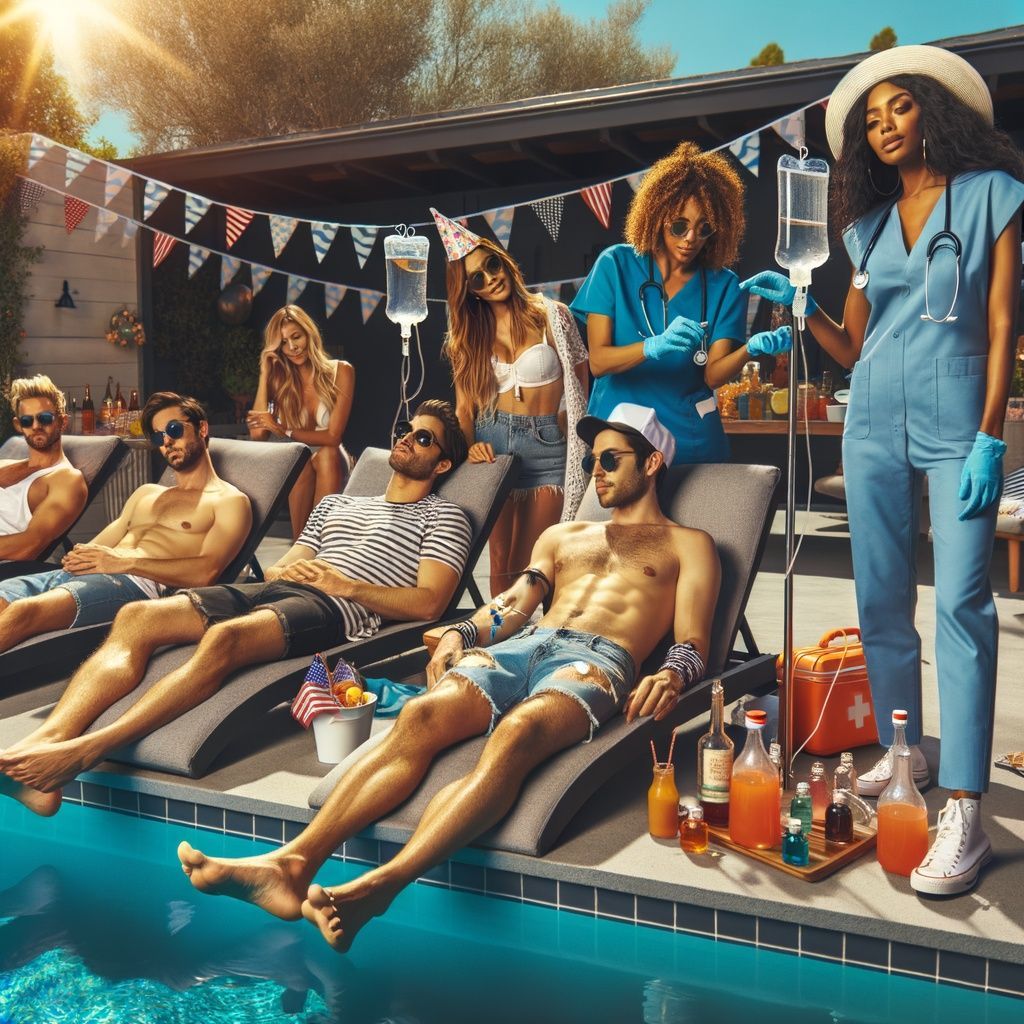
700, 357
947, 238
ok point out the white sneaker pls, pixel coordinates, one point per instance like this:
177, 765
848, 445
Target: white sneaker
958, 853
877, 777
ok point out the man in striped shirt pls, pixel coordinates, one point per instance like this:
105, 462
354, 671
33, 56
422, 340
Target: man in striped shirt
359, 561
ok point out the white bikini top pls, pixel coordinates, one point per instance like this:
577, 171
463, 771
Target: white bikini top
538, 365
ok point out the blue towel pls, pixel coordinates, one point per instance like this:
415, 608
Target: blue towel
391, 696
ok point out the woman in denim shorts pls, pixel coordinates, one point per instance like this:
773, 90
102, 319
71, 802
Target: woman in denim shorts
520, 373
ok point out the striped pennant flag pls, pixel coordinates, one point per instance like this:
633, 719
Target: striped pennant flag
155, 194
549, 213
333, 294
105, 220
792, 129
635, 180
38, 148
323, 232
296, 286
236, 221
748, 151
195, 210
117, 178
599, 199
281, 231
29, 194
74, 211
162, 246
197, 256
74, 164
129, 229
368, 301
260, 276
363, 238
500, 222
229, 266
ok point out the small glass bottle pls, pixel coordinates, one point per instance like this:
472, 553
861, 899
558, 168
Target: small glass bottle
775, 756
846, 775
795, 848
75, 425
902, 819
714, 763
754, 792
800, 807
819, 791
663, 803
693, 832
839, 820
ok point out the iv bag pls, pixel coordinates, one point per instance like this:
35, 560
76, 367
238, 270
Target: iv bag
405, 256
802, 243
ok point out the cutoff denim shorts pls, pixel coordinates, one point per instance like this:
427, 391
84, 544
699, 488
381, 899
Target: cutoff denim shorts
99, 596
537, 440
528, 663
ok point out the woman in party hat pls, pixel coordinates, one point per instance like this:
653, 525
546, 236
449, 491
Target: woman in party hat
520, 374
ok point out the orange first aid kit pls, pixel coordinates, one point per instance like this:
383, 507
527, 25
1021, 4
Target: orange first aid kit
849, 717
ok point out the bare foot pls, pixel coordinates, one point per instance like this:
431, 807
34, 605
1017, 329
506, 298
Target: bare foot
48, 766
44, 804
341, 912
275, 884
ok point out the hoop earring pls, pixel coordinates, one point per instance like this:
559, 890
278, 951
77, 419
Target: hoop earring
891, 191
924, 150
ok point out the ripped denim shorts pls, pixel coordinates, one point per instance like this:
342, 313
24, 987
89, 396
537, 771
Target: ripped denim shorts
537, 440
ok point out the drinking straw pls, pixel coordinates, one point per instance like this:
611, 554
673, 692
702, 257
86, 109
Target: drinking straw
671, 746
654, 755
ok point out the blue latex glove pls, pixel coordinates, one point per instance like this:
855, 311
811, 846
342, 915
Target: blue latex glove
775, 288
982, 478
771, 343
679, 341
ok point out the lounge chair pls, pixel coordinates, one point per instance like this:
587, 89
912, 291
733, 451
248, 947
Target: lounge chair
97, 458
188, 745
265, 472
734, 503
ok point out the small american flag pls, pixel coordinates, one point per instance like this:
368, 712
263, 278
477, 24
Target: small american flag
315, 696
236, 221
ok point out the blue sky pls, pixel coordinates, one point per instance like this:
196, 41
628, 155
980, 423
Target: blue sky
717, 35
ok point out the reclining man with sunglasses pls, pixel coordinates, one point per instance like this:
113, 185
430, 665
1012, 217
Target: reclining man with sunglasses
616, 589
359, 561
164, 538
41, 496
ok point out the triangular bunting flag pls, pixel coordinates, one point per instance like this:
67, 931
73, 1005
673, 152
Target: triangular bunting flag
599, 199
154, 196
791, 129
363, 238
29, 194
162, 246
38, 148
195, 210
323, 232
369, 300
236, 221
129, 229
117, 178
260, 276
549, 212
748, 151
74, 211
500, 222
197, 256
105, 220
296, 285
281, 230
75, 163
333, 294
634, 180
229, 266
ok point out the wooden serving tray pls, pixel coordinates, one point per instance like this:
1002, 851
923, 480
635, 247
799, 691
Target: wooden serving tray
825, 859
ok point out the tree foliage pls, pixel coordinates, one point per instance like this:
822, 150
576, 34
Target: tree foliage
770, 56
223, 70
884, 39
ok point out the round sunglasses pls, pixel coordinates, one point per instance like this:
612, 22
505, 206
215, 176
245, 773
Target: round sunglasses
173, 431
44, 419
681, 228
608, 460
492, 268
423, 437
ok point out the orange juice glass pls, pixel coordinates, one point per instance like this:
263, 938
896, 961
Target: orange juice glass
902, 837
663, 803
754, 810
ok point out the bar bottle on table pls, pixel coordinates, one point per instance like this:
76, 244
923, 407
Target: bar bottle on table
795, 847
663, 803
839, 820
754, 803
800, 807
819, 791
714, 763
88, 413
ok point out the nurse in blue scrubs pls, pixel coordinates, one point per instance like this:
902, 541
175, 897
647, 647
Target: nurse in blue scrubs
645, 302
932, 194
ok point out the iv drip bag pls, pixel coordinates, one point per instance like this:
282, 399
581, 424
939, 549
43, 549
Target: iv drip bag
405, 255
802, 242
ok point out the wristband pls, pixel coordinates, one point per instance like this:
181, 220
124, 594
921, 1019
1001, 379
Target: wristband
685, 659
467, 630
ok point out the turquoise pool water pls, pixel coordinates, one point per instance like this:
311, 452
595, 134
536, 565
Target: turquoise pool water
99, 926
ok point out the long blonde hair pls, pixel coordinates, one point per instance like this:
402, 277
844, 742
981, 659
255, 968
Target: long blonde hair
469, 344
284, 385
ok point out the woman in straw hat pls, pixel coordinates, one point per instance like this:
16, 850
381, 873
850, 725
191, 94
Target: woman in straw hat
664, 312
931, 193
520, 374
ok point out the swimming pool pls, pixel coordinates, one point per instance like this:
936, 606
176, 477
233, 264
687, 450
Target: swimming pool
98, 924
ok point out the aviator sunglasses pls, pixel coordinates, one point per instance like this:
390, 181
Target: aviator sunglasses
423, 437
608, 460
681, 228
44, 419
174, 430
491, 268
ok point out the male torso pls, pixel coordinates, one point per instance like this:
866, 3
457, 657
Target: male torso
16, 507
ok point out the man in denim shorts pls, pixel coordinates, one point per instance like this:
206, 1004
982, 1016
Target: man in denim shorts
616, 589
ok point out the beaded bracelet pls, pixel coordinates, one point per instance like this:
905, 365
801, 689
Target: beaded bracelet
467, 630
686, 660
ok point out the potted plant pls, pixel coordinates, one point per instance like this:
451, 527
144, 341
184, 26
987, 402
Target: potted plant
240, 353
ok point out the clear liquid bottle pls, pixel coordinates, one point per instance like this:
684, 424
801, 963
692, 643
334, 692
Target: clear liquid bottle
405, 258
663, 803
795, 847
714, 763
76, 417
754, 809
693, 831
902, 819
800, 807
846, 775
819, 791
839, 820
775, 756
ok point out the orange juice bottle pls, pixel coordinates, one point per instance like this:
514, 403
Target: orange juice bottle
663, 803
902, 820
754, 806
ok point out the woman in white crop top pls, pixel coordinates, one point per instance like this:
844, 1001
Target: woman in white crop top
307, 398
520, 374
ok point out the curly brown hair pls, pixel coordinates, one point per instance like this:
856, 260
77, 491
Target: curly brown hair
688, 172
455, 446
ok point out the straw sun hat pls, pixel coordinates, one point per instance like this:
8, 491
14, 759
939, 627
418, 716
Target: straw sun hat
949, 69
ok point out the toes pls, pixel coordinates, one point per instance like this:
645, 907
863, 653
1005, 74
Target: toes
190, 858
319, 899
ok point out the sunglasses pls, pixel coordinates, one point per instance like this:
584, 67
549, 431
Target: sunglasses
682, 227
174, 430
44, 419
492, 268
423, 437
608, 460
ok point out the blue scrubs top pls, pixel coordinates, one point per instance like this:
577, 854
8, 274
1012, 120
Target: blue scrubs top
683, 402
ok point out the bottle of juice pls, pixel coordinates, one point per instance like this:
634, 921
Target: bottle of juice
819, 791
663, 803
693, 832
902, 819
754, 809
839, 820
800, 807
714, 763
795, 848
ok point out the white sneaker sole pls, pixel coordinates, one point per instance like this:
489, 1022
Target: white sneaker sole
950, 885
867, 787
